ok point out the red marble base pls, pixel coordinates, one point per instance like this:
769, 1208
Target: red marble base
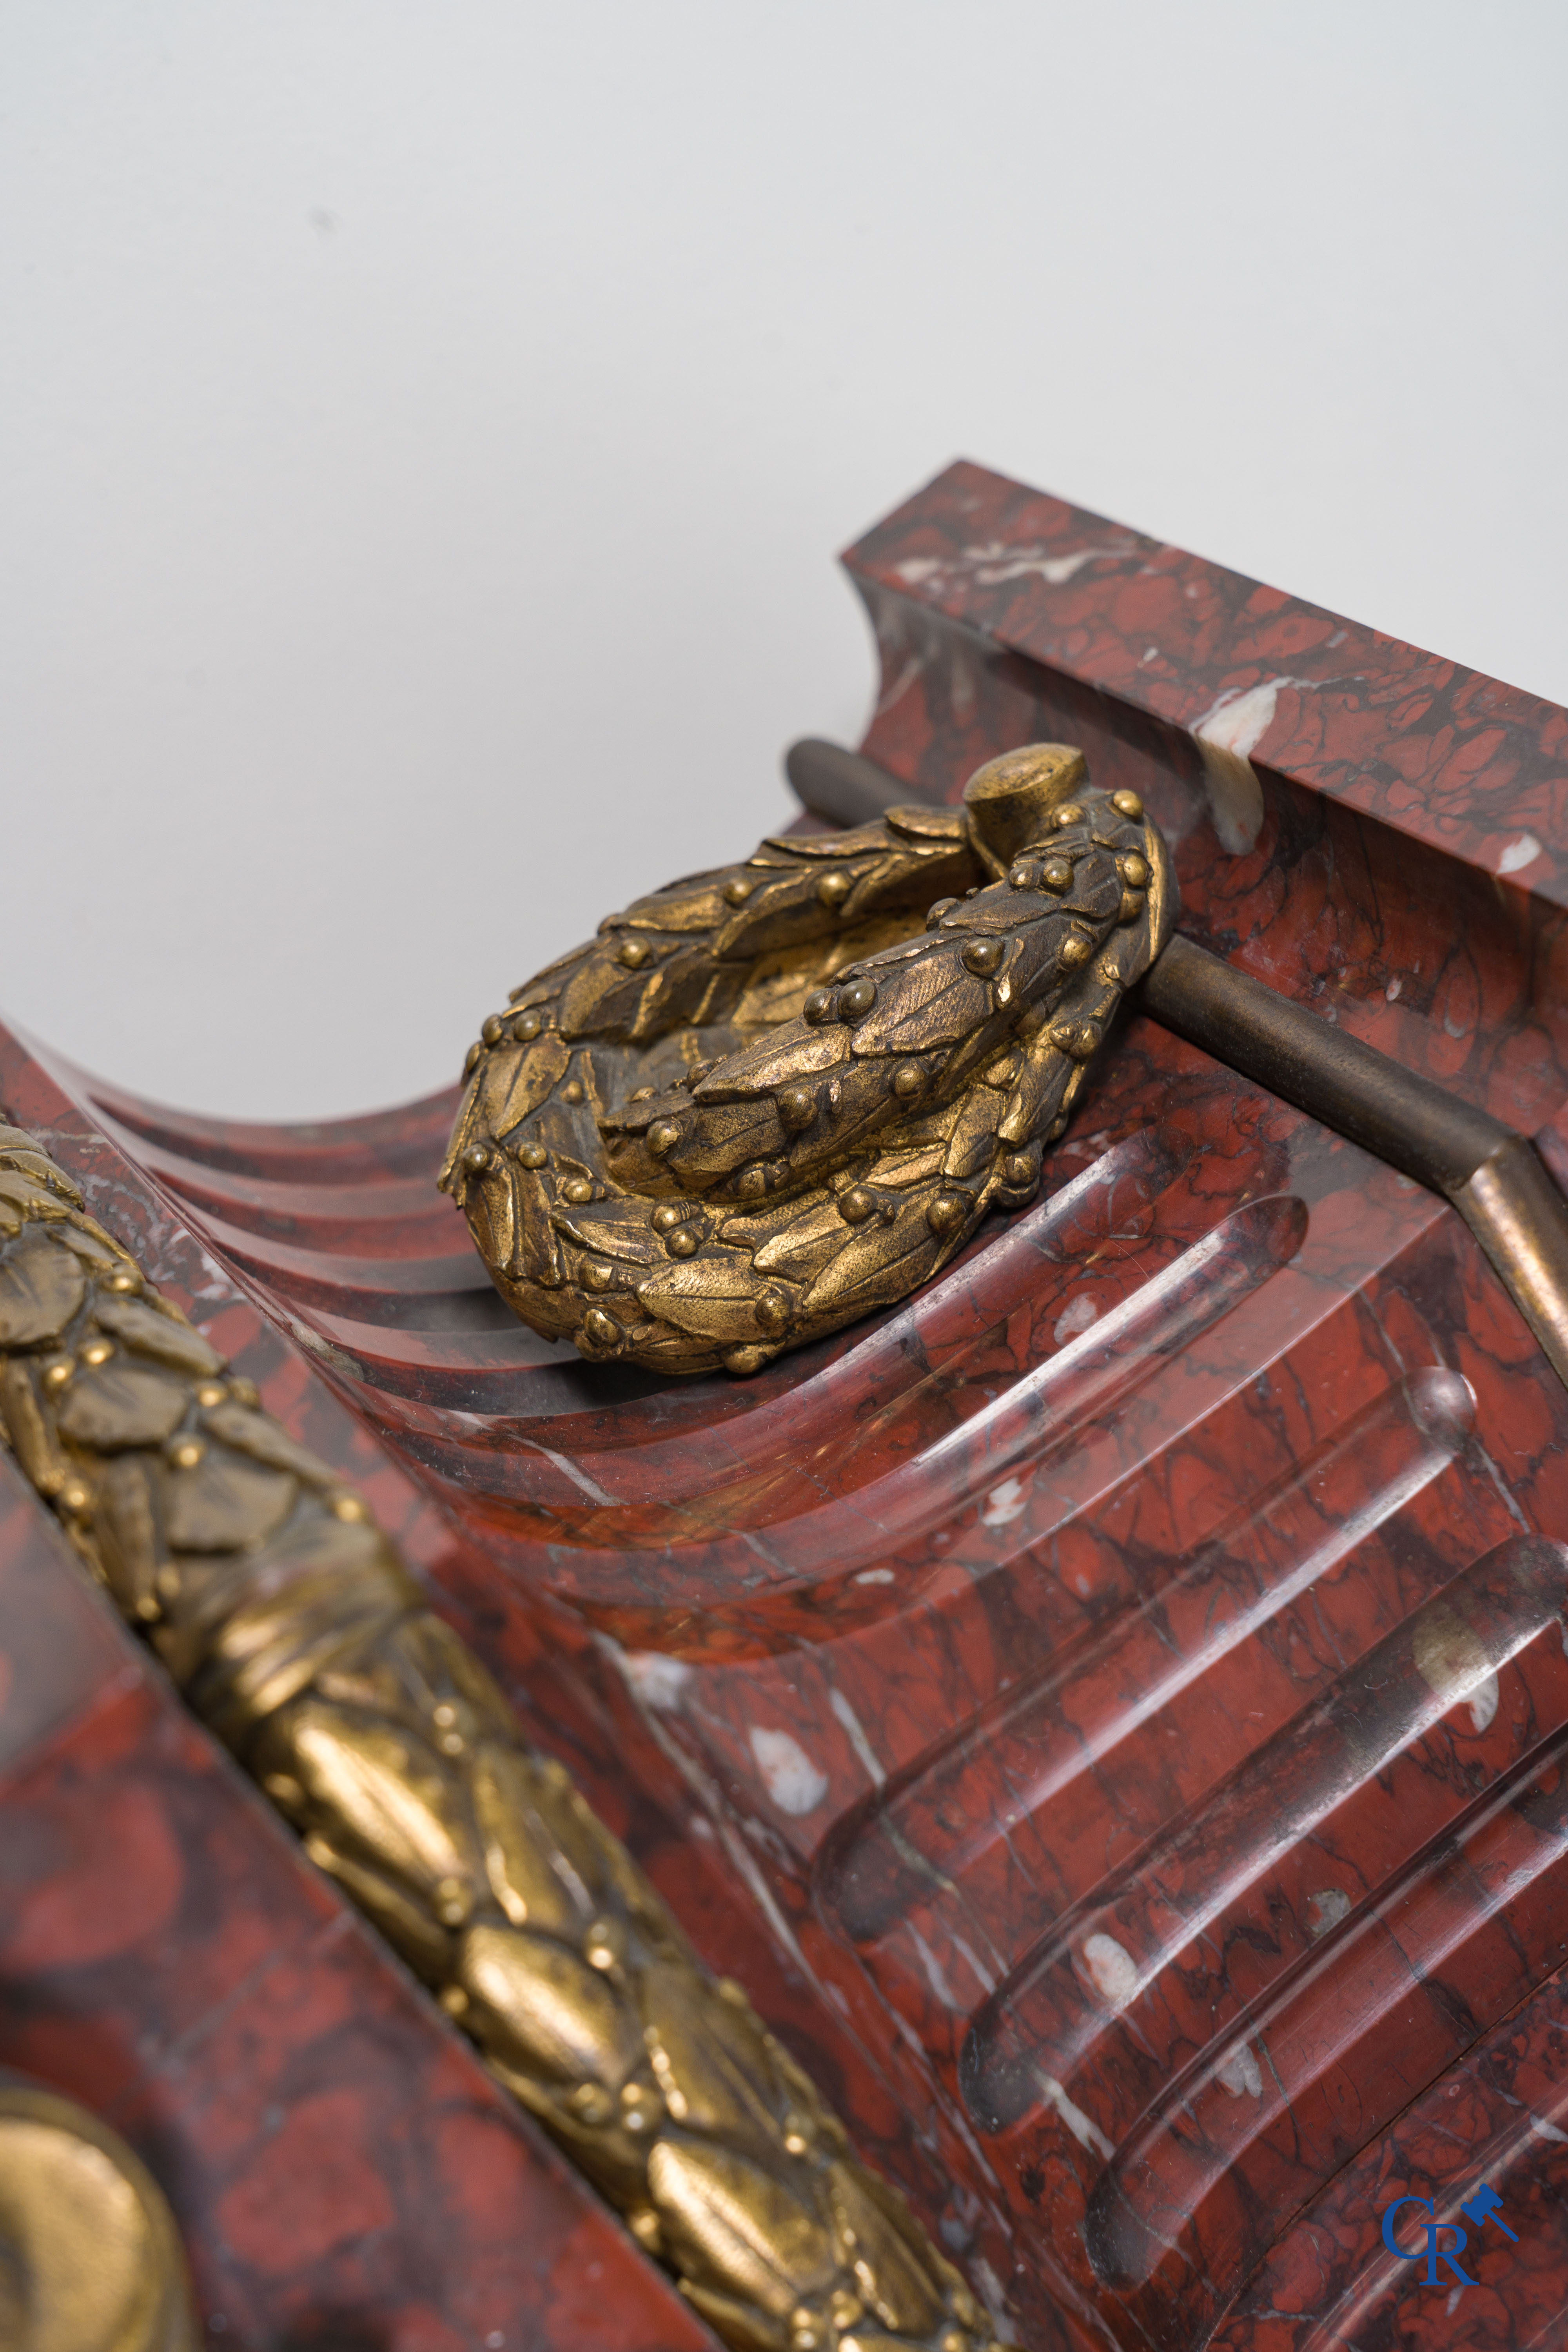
1060, 1700
344, 2172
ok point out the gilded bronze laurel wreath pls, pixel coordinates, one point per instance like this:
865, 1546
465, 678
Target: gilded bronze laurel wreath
760, 1105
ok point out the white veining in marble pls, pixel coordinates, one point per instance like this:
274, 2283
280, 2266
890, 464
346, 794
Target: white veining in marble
1241, 2072
1004, 1503
1227, 735
1113, 1969
795, 1783
857, 1740
1084, 2128
1076, 1316
1516, 854
1325, 1909
658, 1681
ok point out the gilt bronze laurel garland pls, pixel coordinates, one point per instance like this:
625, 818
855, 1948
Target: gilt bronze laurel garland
763, 1102
294, 1629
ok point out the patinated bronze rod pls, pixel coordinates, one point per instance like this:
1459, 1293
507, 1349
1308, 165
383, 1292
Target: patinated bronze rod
1417, 1127
843, 786
1492, 1175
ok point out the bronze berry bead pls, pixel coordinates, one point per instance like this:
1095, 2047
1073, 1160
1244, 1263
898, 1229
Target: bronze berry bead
666, 1217
858, 998
1074, 950
601, 1330
935, 912
818, 1007
577, 1189
526, 1026
681, 1242
947, 1213
492, 1031
907, 1079
1131, 907
474, 1054
737, 891
772, 1311
833, 889
532, 1155
1134, 871
662, 1136
796, 1106
984, 956
477, 1157
1127, 804
1069, 813
1057, 874
633, 954
855, 1205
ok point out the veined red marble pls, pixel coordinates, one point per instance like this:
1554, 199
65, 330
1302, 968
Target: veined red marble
1111, 1711
343, 2170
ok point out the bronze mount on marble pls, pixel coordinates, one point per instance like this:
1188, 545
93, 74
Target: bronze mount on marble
297, 1633
763, 1103
757, 1107
91, 2260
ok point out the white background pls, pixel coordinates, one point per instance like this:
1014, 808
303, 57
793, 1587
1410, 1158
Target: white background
426, 429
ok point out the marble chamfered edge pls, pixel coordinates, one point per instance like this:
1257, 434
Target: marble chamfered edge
1474, 768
